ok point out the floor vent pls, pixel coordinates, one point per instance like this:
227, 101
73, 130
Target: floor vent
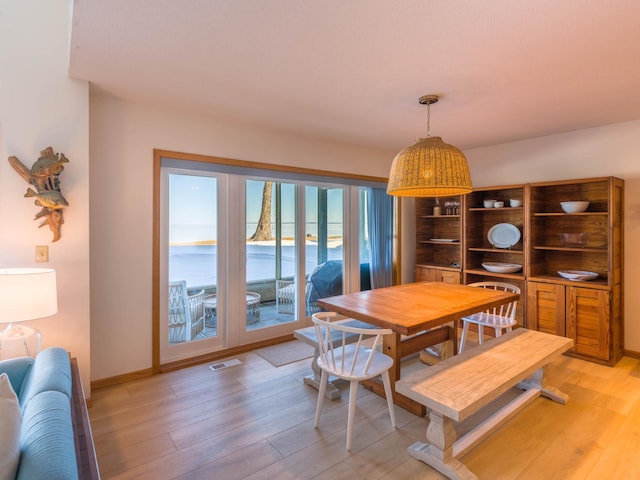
221, 365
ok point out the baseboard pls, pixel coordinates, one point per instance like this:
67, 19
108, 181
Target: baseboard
631, 353
190, 362
119, 379
228, 352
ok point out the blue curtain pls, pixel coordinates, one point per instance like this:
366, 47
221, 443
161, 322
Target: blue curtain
380, 208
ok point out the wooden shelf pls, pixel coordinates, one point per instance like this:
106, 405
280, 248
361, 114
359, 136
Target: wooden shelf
551, 278
493, 209
563, 214
494, 250
433, 242
487, 273
590, 312
571, 249
440, 266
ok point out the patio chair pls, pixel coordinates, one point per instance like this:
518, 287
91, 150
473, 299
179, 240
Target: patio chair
186, 312
355, 361
499, 318
286, 295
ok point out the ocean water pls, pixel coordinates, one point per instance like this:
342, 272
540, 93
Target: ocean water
197, 263
183, 233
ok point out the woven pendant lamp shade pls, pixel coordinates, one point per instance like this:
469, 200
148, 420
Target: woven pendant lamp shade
429, 168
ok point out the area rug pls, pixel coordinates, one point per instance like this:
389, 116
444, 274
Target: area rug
285, 353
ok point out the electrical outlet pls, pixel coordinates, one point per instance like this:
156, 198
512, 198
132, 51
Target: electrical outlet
42, 253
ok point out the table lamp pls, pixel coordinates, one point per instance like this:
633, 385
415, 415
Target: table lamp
25, 294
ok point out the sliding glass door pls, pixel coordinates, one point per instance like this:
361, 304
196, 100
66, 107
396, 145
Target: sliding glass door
192, 256
271, 294
244, 258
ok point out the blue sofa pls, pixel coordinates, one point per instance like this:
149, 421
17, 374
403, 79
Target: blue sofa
49, 396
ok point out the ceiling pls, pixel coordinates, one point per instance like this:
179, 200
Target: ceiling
353, 70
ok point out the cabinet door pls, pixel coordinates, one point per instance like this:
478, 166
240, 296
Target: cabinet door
450, 277
426, 274
588, 321
546, 308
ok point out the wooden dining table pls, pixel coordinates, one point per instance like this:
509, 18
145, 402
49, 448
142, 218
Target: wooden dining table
421, 315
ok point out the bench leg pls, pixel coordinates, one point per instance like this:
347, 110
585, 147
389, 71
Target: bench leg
438, 452
537, 380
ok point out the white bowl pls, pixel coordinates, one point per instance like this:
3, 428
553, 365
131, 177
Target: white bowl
514, 202
499, 267
577, 275
488, 203
574, 207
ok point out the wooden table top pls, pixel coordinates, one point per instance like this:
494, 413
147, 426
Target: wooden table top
413, 307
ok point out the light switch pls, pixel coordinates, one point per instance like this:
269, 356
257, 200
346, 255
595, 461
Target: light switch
42, 253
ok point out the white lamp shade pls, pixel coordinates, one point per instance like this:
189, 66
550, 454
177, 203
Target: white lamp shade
27, 294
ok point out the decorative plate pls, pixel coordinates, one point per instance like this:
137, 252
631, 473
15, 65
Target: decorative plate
500, 267
503, 235
577, 275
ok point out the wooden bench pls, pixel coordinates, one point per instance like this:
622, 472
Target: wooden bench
461, 385
308, 335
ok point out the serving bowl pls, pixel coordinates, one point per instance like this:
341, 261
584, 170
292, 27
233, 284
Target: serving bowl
577, 275
500, 267
573, 240
574, 207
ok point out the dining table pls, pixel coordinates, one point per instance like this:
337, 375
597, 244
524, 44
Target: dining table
420, 315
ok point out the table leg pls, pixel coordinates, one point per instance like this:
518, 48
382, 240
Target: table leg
332, 392
391, 345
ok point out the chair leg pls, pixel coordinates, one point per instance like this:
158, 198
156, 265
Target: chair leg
353, 396
463, 337
324, 378
389, 394
480, 334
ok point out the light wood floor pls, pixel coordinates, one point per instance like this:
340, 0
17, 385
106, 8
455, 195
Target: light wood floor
254, 421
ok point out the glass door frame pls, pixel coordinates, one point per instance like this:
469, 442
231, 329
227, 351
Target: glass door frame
179, 351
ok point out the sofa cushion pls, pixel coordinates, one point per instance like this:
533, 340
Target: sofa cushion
46, 439
17, 369
50, 371
10, 421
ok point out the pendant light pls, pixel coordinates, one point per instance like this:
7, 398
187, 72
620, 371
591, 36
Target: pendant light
430, 167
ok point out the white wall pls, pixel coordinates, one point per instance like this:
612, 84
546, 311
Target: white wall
611, 150
40, 106
123, 136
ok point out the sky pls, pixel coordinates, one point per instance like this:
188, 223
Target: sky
192, 201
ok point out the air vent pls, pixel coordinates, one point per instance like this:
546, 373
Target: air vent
228, 363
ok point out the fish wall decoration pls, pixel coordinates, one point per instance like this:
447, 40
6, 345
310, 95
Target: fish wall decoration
43, 175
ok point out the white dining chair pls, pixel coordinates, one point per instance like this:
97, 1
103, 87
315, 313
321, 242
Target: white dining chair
499, 318
354, 362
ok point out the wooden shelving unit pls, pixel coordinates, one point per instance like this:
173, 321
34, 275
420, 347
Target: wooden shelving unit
589, 312
439, 239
